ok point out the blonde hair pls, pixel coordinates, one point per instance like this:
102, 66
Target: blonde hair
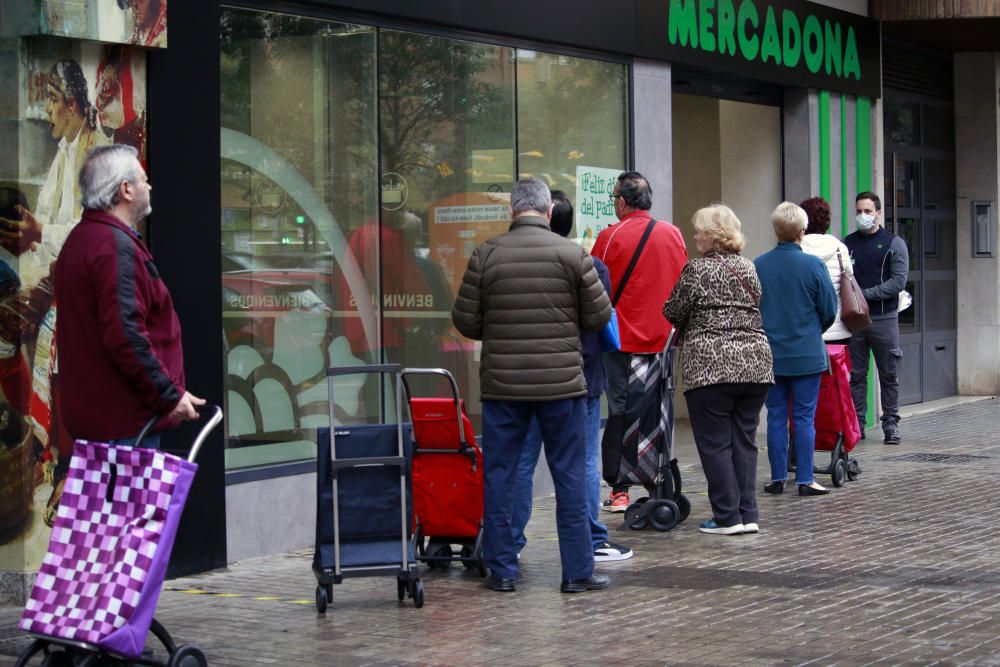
789, 221
719, 224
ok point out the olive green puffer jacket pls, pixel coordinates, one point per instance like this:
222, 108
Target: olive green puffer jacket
526, 294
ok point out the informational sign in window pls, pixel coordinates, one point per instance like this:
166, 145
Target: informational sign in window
593, 205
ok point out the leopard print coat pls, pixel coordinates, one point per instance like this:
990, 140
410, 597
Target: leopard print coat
715, 306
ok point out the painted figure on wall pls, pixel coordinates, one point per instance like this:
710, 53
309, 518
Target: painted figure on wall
35, 238
119, 96
149, 19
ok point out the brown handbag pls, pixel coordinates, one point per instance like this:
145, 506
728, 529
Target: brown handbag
853, 307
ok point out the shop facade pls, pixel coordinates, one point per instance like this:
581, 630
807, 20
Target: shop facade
322, 171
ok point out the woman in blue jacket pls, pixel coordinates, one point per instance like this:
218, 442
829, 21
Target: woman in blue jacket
798, 304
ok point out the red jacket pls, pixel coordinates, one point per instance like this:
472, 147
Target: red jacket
119, 339
640, 307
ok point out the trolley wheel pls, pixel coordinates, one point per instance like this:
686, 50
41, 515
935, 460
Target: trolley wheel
663, 514
323, 598
418, 593
839, 473
853, 469
437, 549
635, 515
684, 506
480, 553
188, 655
401, 585
58, 659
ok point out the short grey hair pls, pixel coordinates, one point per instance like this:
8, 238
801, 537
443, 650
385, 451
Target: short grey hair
530, 194
789, 220
103, 172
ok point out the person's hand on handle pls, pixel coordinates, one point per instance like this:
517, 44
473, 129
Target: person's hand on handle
186, 408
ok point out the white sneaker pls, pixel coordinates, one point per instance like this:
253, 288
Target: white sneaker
609, 552
751, 528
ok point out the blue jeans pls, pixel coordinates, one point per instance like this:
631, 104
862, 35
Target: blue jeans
505, 428
151, 441
803, 392
521, 509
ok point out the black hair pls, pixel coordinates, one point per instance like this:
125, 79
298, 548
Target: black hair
872, 196
562, 213
67, 77
635, 190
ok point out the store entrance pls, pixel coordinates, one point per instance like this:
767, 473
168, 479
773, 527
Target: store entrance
727, 150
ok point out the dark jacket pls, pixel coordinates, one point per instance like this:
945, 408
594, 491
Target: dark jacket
526, 294
881, 264
714, 306
593, 360
798, 304
119, 339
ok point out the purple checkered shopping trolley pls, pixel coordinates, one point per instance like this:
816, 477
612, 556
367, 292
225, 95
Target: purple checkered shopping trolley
94, 597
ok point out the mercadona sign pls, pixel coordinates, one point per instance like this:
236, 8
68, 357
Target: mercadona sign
792, 42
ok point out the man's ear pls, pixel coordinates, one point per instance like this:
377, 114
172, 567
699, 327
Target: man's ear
552, 207
125, 191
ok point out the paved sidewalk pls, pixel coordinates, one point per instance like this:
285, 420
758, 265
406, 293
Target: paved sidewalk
899, 567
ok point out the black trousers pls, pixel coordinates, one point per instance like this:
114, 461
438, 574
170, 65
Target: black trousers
724, 419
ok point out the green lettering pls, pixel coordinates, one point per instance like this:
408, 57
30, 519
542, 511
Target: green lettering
771, 47
833, 50
852, 65
705, 23
727, 27
683, 22
792, 38
749, 45
812, 42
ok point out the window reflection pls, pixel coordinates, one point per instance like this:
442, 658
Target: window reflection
353, 201
298, 141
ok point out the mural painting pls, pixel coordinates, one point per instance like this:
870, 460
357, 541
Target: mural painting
72, 97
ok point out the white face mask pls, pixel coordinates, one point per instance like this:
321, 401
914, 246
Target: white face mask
865, 222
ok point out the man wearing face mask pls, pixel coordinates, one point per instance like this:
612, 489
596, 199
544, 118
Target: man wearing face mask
881, 263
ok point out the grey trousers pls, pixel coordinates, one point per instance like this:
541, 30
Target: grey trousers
882, 339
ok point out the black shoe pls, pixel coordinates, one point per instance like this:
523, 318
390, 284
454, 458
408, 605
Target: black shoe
495, 583
862, 432
891, 432
806, 490
775, 487
595, 582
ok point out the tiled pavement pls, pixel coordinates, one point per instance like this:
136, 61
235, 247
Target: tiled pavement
899, 567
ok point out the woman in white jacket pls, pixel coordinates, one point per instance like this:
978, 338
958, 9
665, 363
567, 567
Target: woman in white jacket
819, 243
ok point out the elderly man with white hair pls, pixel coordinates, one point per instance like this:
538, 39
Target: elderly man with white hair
526, 294
120, 356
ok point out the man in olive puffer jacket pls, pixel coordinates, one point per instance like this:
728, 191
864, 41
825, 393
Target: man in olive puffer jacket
526, 294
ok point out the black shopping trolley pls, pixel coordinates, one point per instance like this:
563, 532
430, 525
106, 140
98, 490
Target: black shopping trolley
638, 445
363, 499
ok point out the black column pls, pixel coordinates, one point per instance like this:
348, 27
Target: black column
185, 237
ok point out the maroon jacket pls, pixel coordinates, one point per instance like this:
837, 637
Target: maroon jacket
118, 337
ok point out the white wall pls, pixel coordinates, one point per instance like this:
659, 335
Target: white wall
977, 125
853, 6
751, 169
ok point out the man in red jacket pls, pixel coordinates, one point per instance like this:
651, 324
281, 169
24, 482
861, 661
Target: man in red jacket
639, 307
120, 358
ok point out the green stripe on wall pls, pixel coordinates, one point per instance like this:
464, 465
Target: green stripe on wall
863, 159
844, 194
824, 144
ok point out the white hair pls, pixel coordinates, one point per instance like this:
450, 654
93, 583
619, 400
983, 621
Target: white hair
103, 172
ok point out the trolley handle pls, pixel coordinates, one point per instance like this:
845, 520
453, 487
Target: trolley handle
202, 435
360, 370
454, 393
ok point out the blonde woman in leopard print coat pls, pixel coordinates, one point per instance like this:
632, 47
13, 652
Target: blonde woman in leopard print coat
726, 362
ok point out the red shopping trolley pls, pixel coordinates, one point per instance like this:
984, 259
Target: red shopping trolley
447, 473
837, 429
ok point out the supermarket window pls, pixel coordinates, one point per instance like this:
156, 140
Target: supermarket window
297, 176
